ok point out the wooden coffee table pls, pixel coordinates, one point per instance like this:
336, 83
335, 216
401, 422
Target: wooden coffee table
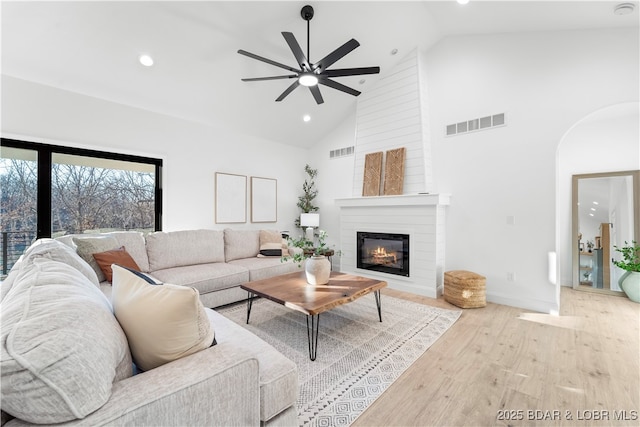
293, 291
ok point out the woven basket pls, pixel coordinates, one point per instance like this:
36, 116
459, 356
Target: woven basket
465, 289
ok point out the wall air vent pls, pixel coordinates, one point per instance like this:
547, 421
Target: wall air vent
473, 125
341, 152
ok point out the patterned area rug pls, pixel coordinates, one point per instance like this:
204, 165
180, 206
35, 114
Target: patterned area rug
358, 356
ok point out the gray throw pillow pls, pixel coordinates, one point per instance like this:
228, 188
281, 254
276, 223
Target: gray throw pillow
87, 246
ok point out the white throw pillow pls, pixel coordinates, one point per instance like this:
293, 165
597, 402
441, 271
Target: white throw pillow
162, 322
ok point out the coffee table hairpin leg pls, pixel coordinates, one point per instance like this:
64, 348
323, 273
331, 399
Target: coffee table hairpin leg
312, 335
378, 303
249, 303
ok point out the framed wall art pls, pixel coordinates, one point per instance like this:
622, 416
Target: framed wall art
264, 199
231, 198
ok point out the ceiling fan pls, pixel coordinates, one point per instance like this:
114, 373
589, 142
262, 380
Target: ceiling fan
311, 74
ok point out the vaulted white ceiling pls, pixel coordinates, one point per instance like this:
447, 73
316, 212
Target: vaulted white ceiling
92, 48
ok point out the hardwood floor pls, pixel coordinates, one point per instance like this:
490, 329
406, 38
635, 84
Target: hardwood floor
500, 365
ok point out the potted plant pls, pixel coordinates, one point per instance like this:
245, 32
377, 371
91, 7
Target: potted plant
630, 281
590, 246
305, 202
317, 266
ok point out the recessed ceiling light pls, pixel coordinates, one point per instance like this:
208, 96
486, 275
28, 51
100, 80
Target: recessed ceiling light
394, 51
145, 60
462, 1
595, 203
624, 8
593, 209
590, 214
306, 117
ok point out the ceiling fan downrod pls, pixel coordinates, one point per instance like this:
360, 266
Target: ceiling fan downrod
307, 15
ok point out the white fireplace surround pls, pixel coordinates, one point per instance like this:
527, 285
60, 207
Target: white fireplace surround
421, 216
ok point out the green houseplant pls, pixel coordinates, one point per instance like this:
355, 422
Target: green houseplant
309, 193
308, 249
317, 266
630, 281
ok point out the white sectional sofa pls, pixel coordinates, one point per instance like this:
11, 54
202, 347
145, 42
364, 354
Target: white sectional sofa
214, 262
66, 359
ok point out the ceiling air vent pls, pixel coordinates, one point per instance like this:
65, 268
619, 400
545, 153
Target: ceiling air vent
475, 124
341, 152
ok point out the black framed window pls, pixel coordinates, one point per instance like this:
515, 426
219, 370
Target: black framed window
50, 190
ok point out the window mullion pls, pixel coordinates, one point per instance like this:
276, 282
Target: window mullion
44, 193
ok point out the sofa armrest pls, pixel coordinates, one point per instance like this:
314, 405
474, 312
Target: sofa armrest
216, 386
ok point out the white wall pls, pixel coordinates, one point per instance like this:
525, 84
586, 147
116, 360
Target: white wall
390, 116
544, 82
607, 140
192, 152
335, 177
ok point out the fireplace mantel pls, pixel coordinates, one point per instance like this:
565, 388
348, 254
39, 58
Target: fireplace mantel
401, 200
421, 216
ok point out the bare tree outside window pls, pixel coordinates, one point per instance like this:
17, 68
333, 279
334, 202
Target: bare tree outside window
87, 195
18, 207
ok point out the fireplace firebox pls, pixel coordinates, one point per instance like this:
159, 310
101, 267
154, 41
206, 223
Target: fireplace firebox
383, 252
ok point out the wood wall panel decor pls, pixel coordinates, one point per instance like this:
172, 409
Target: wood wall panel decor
372, 174
394, 172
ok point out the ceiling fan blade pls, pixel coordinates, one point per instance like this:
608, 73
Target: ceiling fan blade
297, 51
315, 91
288, 91
268, 61
328, 60
339, 86
351, 71
256, 79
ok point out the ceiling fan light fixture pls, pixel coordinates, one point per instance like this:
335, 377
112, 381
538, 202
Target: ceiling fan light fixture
624, 8
308, 79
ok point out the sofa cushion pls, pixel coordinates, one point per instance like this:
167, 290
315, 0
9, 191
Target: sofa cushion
87, 246
240, 244
278, 374
179, 248
136, 246
162, 322
56, 251
62, 348
205, 278
266, 267
118, 256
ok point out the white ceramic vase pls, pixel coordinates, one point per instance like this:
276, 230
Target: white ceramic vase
630, 284
318, 269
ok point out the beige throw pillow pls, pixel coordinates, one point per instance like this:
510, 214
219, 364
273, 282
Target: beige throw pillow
162, 322
271, 243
